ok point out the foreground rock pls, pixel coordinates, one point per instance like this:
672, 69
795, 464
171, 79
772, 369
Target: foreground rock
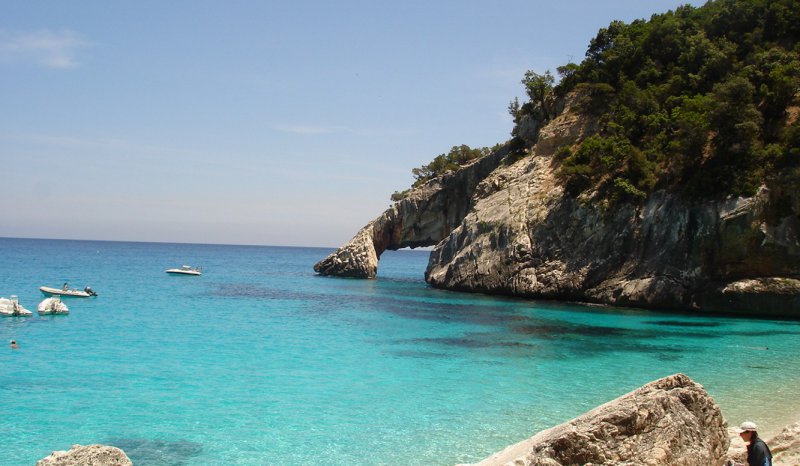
87, 455
672, 421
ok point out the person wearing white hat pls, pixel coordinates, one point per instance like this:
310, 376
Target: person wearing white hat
758, 453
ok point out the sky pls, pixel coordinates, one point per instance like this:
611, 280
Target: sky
286, 123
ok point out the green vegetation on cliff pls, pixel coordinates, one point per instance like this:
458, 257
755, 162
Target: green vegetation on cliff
704, 100
443, 163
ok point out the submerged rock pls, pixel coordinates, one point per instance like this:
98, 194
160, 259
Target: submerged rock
87, 455
157, 451
671, 421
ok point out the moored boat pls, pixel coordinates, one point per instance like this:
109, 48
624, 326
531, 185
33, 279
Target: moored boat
12, 308
52, 305
85, 293
186, 270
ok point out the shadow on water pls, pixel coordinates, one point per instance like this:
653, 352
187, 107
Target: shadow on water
549, 330
418, 354
681, 323
516, 329
521, 335
251, 291
762, 333
472, 342
479, 314
155, 452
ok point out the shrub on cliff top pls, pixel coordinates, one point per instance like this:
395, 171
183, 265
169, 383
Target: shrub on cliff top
694, 100
451, 161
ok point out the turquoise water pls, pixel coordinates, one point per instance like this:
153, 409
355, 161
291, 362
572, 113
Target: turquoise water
259, 361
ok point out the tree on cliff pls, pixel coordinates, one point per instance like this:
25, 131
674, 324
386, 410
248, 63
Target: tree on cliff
702, 100
457, 157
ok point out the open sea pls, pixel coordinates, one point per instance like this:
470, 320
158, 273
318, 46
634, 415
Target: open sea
261, 362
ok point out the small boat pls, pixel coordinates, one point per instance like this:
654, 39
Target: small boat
186, 270
87, 292
52, 305
12, 308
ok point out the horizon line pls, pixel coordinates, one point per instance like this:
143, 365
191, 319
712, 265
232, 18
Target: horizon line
179, 242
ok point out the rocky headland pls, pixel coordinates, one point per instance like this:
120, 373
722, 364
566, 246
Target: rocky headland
506, 225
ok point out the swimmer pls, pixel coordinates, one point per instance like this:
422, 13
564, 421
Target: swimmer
14, 344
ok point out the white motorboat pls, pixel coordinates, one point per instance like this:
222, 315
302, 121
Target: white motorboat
186, 270
52, 305
12, 308
85, 293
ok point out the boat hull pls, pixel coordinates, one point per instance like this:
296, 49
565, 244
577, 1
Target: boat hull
183, 272
60, 292
12, 308
52, 306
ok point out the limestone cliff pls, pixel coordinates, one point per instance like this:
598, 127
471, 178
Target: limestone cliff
525, 236
510, 228
424, 218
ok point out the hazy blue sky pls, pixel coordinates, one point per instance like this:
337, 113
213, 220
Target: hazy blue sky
256, 122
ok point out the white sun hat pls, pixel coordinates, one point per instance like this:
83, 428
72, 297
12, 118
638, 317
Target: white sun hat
748, 426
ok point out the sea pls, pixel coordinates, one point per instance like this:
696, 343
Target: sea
260, 361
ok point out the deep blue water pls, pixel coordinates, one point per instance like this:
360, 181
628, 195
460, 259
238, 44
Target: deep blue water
260, 361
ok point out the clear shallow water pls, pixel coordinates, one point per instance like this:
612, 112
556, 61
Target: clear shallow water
259, 361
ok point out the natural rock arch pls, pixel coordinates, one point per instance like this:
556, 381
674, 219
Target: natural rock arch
424, 218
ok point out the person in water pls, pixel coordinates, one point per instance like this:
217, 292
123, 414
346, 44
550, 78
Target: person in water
758, 453
14, 344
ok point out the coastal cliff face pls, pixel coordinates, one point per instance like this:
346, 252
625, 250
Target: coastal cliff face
424, 218
525, 236
510, 228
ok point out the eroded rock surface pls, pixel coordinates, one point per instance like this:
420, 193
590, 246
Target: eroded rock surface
423, 218
510, 228
524, 236
671, 421
785, 446
87, 455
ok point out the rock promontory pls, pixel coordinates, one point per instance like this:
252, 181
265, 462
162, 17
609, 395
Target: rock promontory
426, 216
506, 225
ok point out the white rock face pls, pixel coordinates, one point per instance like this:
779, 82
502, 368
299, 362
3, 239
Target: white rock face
356, 259
87, 455
426, 216
505, 225
669, 422
525, 236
